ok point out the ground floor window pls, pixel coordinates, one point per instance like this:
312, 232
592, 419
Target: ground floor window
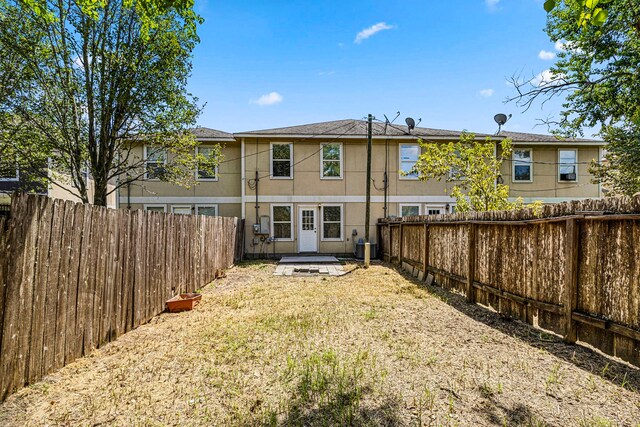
207, 210
332, 222
434, 209
282, 222
155, 208
410, 210
181, 210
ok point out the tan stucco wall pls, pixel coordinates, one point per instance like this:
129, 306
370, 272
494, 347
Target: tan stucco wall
218, 192
546, 184
63, 189
306, 177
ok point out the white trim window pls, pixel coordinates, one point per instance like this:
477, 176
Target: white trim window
331, 217
281, 160
202, 175
567, 165
409, 154
522, 165
155, 158
9, 171
410, 209
331, 161
181, 209
282, 222
431, 209
207, 210
155, 208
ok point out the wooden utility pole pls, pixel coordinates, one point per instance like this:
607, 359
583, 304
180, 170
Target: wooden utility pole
367, 214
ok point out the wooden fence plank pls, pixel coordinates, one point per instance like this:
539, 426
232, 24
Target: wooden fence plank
571, 279
71, 335
43, 243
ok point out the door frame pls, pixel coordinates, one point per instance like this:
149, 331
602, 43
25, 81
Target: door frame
315, 210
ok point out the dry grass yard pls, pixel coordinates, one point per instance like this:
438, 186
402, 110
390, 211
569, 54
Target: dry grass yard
369, 348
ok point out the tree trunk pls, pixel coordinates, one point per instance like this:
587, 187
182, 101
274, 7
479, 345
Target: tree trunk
100, 192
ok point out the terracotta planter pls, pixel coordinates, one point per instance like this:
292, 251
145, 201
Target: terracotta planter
183, 302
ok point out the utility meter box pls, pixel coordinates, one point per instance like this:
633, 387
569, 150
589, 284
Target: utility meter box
263, 226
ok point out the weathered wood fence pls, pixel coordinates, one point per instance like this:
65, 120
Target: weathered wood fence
75, 277
574, 269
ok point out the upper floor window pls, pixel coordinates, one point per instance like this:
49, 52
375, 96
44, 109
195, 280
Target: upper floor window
155, 160
409, 154
522, 165
9, 171
206, 175
567, 165
331, 161
281, 160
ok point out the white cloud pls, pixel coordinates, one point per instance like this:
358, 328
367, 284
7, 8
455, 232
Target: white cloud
546, 78
546, 55
271, 98
368, 32
560, 46
487, 92
492, 3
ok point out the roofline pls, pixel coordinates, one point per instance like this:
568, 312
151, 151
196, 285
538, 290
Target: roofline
333, 136
560, 142
415, 137
216, 139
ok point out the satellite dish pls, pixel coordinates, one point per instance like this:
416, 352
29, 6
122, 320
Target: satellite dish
501, 119
411, 124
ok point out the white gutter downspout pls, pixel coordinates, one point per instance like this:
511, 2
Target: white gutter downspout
242, 176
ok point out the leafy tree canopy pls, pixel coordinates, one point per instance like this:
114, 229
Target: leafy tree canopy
84, 81
597, 73
473, 168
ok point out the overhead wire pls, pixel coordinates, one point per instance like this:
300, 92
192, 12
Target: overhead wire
295, 140
252, 181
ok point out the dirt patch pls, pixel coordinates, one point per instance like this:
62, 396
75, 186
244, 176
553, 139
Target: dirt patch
368, 348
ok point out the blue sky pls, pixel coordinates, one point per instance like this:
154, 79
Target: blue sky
266, 64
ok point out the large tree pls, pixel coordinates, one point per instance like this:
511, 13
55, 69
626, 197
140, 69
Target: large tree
598, 75
88, 80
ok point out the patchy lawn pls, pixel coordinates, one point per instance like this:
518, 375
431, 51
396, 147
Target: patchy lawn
368, 348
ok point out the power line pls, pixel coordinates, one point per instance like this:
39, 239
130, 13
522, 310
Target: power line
295, 140
309, 156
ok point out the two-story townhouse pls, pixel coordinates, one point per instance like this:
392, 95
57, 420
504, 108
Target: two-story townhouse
217, 194
301, 189
305, 185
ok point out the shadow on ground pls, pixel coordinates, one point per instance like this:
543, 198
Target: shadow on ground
585, 358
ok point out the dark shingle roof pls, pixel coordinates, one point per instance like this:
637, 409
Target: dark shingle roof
212, 134
534, 137
350, 127
358, 128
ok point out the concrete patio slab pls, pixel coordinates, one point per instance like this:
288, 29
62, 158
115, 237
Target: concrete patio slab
308, 260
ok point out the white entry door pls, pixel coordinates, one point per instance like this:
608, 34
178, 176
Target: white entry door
308, 230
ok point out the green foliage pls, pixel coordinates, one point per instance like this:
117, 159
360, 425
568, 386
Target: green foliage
587, 12
473, 167
598, 76
83, 79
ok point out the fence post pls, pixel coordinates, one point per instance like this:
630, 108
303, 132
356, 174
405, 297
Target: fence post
471, 266
425, 260
572, 237
401, 254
